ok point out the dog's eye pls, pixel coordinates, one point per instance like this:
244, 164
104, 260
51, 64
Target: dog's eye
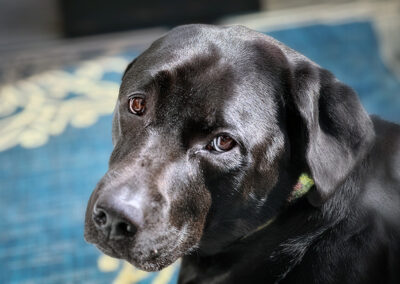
221, 143
137, 105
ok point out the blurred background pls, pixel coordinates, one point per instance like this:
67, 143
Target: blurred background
60, 68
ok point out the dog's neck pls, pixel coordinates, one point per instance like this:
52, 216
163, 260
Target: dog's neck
285, 194
209, 268
302, 187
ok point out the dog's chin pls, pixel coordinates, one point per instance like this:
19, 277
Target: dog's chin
146, 260
152, 264
108, 251
146, 251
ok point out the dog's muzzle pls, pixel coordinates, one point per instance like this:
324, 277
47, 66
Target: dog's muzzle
116, 216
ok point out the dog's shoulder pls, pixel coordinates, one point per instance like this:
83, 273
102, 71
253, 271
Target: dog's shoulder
381, 195
384, 160
387, 142
364, 243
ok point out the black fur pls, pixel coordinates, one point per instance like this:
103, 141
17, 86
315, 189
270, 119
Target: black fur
288, 116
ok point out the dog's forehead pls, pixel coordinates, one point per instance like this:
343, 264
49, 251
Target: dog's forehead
184, 43
206, 73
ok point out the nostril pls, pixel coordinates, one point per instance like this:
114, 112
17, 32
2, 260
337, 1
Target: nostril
115, 219
123, 229
99, 217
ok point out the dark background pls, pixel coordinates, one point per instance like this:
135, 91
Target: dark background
99, 16
24, 21
37, 35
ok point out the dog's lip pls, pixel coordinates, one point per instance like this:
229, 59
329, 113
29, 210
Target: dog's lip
103, 247
108, 251
153, 261
149, 263
88, 238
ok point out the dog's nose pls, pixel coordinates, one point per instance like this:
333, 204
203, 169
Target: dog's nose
116, 219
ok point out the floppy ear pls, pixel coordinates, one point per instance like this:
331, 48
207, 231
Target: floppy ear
337, 130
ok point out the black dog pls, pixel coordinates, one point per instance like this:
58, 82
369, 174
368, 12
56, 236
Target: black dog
212, 130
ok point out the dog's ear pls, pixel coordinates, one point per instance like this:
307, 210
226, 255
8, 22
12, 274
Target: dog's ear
337, 130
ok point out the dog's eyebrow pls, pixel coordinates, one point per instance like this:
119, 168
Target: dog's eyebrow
143, 85
164, 79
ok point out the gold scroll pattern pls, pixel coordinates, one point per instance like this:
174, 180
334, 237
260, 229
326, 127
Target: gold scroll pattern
33, 109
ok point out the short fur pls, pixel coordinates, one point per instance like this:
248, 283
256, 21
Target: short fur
288, 116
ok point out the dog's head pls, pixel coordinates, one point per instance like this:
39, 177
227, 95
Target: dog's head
211, 130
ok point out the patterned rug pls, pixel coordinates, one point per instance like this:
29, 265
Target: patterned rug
55, 140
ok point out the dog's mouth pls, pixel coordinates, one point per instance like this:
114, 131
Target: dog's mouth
108, 251
147, 251
152, 259
149, 231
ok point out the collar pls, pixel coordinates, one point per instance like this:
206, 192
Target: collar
302, 187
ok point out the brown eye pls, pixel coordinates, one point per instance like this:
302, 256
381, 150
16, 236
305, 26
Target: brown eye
221, 143
137, 105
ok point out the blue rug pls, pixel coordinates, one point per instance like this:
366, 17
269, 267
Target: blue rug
55, 140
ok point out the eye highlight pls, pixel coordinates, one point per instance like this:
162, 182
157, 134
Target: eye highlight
137, 105
221, 143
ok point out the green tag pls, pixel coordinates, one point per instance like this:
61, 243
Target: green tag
303, 185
